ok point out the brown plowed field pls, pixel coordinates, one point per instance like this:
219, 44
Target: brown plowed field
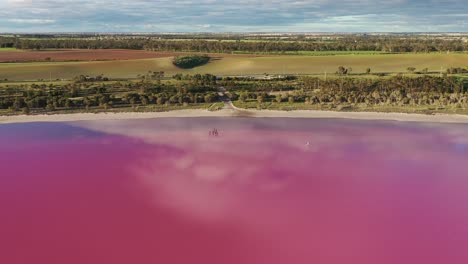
91, 55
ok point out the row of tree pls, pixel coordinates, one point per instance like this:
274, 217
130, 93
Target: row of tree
343, 43
104, 95
394, 91
376, 98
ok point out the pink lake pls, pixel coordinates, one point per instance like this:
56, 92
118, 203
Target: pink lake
264, 191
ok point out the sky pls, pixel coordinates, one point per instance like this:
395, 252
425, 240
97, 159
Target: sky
234, 16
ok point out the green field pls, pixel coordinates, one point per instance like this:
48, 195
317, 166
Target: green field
388, 63
8, 49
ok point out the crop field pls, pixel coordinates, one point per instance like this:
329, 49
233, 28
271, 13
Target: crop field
85, 55
79, 55
236, 65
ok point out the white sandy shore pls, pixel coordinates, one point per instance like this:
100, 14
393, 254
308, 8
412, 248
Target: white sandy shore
439, 118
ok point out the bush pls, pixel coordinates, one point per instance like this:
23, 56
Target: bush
188, 62
456, 70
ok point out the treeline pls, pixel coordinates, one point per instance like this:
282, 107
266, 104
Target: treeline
352, 43
399, 91
185, 90
88, 96
8, 42
425, 84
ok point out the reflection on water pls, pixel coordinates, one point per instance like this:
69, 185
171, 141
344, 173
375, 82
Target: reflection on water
261, 191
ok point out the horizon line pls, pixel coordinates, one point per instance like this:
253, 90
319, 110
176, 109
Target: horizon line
239, 32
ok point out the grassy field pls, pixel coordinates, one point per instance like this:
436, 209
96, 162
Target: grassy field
236, 66
8, 49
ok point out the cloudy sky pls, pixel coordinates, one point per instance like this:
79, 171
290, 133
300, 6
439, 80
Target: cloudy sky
234, 16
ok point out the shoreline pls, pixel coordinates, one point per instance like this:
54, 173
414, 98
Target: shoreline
402, 117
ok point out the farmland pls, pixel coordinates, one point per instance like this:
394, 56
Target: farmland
14, 55
118, 73
224, 65
77, 55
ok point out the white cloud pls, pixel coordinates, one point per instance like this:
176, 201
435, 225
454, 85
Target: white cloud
19, 1
236, 15
31, 21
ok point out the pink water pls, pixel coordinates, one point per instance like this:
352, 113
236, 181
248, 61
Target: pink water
265, 191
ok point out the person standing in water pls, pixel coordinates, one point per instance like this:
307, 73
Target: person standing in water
213, 132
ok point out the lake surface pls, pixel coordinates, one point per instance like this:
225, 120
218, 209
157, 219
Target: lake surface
262, 191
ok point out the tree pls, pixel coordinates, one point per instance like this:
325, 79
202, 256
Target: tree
243, 97
50, 106
132, 101
87, 103
411, 69
342, 70
144, 100
368, 71
160, 101
103, 99
18, 104
173, 99
278, 98
260, 99
68, 103
158, 75
208, 98
26, 110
